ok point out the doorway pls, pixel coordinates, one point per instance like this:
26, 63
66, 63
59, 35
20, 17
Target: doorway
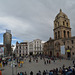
31, 53
50, 53
57, 55
68, 54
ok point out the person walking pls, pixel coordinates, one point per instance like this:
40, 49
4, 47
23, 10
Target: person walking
18, 73
25, 73
0, 73
39, 72
44, 73
47, 61
31, 73
73, 62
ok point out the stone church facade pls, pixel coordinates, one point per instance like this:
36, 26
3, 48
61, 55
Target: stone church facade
62, 36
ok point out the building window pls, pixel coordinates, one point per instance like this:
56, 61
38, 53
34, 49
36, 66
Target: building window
64, 16
64, 33
58, 34
72, 41
68, 33
58, 23
73, 53
67, 24
16, 47
26, 47
55, 25
68, 47
20, 47
23, 47
63, 23
64, 43
55, 35
72, 46
23, 54
20, 51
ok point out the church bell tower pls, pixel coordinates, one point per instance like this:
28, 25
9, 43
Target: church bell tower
61, 26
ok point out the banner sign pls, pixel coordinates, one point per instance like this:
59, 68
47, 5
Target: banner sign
63, 49
68, 50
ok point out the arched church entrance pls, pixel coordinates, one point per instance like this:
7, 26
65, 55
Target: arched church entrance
68, 54
57, 54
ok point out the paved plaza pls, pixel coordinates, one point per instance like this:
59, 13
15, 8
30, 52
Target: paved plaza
35, 67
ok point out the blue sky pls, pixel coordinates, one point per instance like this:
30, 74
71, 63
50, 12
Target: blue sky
14, 39
1, 38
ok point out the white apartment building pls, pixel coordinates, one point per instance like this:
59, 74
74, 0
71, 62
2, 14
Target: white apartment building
37, 46
29, 48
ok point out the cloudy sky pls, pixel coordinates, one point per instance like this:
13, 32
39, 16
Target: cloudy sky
33, 19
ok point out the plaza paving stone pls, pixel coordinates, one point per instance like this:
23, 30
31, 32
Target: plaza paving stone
35, 67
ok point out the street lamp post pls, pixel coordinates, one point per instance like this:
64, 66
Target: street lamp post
12, 65
16, 61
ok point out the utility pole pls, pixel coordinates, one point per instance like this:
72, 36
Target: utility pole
12, 66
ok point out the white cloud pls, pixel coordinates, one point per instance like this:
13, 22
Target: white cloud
1, 43
33, 19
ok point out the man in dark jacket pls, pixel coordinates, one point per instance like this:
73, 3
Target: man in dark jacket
31, 73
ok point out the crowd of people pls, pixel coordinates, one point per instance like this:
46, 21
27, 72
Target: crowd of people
56, 71
61, 71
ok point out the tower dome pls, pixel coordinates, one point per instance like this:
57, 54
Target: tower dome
61, 14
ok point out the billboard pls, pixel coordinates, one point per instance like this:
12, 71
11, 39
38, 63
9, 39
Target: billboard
63, 49
1, 50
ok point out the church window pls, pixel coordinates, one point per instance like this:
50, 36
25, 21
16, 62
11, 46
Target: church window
64, 43
67, 24
67, 41
72, 46
63, 23
68, 33
58, 23
64, 16
58, 34
73, 53
55, 25
72, 41
68, 47
55, 35
64, 33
